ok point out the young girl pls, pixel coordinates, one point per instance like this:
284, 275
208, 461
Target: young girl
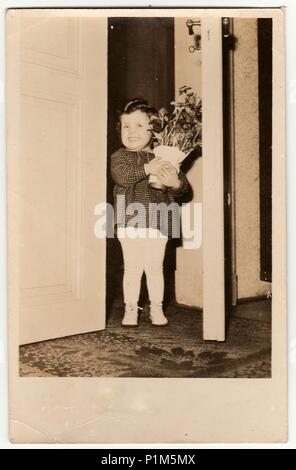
143, 245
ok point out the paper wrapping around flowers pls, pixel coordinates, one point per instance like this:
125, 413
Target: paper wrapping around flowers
169, 154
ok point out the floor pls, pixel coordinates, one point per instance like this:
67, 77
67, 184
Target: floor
176, 350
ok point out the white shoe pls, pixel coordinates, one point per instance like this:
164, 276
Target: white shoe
130, 315
157, 316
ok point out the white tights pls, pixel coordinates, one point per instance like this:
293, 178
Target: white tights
143, 250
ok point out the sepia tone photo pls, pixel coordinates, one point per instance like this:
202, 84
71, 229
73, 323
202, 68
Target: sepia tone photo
141, 205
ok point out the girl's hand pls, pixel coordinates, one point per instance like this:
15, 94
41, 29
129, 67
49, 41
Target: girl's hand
168, 176
154, 166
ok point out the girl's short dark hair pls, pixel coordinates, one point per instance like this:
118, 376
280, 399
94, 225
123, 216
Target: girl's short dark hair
137, 104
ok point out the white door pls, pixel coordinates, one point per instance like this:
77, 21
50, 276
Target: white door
56, 80
213, 181
200, 271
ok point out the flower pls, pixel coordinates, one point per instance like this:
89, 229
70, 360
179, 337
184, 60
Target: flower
182, 127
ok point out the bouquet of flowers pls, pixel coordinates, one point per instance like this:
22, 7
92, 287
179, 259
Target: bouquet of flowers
178, 133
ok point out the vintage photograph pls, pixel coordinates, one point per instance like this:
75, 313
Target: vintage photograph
145, 175
148, 320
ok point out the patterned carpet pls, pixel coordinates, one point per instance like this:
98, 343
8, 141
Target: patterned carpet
176, 350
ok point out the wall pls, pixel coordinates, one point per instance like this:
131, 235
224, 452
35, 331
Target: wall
247, 160
189, 262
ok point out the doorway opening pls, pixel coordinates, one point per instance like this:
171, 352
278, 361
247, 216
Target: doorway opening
140, 64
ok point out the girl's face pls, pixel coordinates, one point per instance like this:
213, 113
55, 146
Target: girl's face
135, 133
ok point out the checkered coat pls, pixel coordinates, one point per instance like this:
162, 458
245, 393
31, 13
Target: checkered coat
131, 181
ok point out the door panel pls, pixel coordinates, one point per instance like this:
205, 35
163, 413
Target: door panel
58, 170
213, 184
